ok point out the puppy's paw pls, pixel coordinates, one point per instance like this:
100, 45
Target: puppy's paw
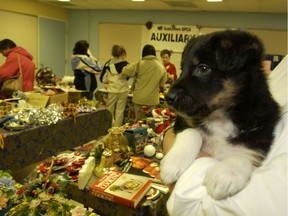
228, 177
171, 168
183, 152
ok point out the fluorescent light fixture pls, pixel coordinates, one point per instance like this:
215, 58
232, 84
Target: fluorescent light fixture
214, 0
64, 0
138, 0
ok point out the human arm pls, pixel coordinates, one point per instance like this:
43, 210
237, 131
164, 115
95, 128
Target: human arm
266, 192
104, 74
263, 195
129, 70
90, 65
91, 55
172, 71
10, 67
163, 78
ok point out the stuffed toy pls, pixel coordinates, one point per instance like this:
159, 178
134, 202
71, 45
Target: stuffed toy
162, 119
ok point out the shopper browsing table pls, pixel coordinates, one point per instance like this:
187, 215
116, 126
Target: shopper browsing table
85, 67
15, 57
151, 77
169, 66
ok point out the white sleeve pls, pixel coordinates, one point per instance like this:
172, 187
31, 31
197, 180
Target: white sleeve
105, 79
264, 195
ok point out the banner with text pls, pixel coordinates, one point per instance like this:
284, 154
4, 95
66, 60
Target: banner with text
172, 37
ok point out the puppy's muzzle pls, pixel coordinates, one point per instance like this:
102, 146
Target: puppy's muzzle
172, 96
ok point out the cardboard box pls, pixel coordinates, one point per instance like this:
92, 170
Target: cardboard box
74, 97
137, 138
40, 100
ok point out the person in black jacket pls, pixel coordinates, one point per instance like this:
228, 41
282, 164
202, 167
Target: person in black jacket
85, 67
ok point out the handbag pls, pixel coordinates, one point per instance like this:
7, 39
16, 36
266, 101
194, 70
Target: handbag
135, 76
13, 83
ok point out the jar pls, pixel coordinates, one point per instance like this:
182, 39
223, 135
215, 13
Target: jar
106, 163
116, 141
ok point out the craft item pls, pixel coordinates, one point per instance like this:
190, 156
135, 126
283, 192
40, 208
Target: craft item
45, 77
162, 188
159, 155
137, 138
153, 194
150, 122
123, 188
145, 167
46, 116
116, 141
106, 163
149, 150
5, 108
127, 167
85, 172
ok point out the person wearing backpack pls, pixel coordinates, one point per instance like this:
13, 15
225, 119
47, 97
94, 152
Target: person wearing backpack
117, 87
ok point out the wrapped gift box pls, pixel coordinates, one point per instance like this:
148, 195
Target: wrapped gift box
137, 138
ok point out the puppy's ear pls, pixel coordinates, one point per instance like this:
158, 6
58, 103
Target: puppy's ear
237, 51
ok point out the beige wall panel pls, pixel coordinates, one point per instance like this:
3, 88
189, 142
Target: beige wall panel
22, 29
33, 7
127, 35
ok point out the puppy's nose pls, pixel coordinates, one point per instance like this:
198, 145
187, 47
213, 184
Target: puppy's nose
170, 97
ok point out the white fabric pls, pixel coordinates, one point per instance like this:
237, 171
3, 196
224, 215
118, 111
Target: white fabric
278, 82
116, 84
266, 192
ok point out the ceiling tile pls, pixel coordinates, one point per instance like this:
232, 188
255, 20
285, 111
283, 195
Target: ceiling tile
257, 6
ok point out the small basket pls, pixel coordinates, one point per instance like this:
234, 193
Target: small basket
5, 108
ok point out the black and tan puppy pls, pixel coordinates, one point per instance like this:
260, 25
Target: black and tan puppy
224, 107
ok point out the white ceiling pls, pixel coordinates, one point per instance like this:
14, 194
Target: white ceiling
253, 6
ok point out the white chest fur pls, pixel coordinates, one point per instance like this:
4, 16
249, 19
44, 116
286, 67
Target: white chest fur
216, 139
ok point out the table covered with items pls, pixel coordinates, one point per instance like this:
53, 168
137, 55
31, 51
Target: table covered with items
47, 134
133, 152
152, 203
46, 138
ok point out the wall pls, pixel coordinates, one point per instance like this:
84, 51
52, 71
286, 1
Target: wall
31, 7
14, 27
139, 36
52, 43
85, 24
89, 24
19, 20
103, 28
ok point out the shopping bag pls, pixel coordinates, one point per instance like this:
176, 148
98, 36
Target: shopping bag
11, 84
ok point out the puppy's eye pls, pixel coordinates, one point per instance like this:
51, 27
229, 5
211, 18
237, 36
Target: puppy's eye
203, 68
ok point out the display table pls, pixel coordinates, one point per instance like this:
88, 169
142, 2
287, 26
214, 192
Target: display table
23, 148
101, 95
107, 208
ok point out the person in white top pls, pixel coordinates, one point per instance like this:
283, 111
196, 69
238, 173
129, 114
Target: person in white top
117, 87
266, 192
